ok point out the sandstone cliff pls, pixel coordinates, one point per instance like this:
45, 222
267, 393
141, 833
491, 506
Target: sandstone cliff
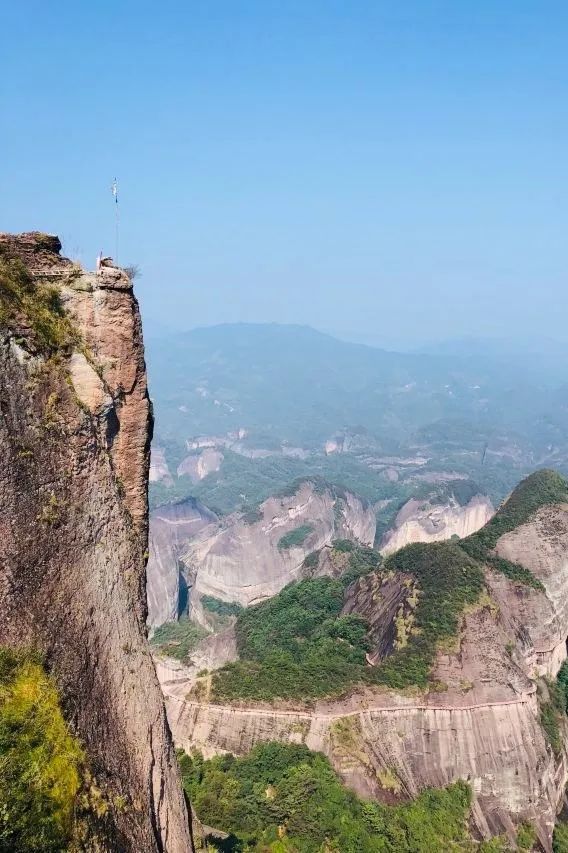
75, 429
247, 560
171, 528
481, 718
241, 558
423, 521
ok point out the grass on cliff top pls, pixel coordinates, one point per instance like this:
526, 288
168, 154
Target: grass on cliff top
283, 798
296, 645
40, 762
537, 490
448, 580
24, 301
295, 538
540, 489
178, 639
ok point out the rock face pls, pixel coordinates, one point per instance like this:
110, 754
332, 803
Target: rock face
244, 560
421, 521
159, 470
75, 429
171, 527
198, 465
480, 722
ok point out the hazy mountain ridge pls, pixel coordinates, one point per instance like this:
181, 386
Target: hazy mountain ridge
281, 402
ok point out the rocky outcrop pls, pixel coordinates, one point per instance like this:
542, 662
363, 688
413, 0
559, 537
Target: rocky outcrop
171, 527
159, 470
481, 719
197, 466
75, 429
248, 559
422, 521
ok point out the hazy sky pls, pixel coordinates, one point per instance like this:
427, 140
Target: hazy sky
391, 169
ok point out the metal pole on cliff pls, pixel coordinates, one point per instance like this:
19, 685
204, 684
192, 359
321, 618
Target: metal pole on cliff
114, 190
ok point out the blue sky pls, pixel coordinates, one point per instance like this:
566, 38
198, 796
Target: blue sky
394, 171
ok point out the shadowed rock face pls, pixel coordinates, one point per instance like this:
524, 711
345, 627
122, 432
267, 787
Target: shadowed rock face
75, 430
171, 527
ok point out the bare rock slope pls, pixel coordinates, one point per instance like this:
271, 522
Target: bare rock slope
423, 521
75, 429
171, 528
480, 720
249, 559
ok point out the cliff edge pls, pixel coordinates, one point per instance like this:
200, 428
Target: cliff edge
75, 430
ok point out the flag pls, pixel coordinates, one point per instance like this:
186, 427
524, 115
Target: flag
114, 190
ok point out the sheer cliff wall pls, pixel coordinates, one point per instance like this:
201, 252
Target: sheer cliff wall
75, 430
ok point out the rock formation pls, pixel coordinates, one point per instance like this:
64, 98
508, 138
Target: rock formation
75, 429
238, 558
171, 527
481, 718
423, 521
244, 559
196, 466
159, 470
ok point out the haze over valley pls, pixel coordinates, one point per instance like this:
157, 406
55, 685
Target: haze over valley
284, 427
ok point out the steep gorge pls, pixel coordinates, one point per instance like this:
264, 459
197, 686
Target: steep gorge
246, 558
480, 719
75, 430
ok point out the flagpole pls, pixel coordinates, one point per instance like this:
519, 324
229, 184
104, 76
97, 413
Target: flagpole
115, 194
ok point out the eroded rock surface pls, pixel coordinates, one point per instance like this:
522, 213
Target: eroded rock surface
421, 521
479, 722
171, 527
75, 429
243, 560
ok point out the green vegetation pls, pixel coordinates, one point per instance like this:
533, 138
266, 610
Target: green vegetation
296, 645
361, 560
515, 572
560, 837
554, 708
287, 645
295, 538
40, 762
259, 479
221, 608
37, 305
311, 560
562, 685
283, 798
178, 639
539, 489
448, 580
526, 836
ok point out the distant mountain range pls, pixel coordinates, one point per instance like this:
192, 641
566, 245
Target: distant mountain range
290, 390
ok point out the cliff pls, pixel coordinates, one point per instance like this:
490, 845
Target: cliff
171, 528
423, 521
249, 559
75, 430
481, 718
244, 558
